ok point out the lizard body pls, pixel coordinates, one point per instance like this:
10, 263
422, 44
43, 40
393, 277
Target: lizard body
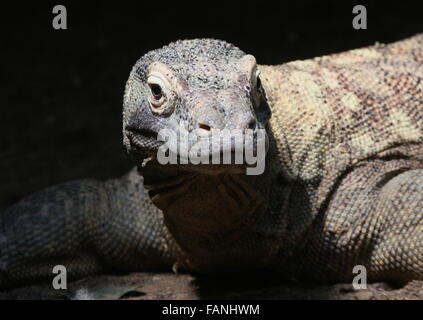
342, 184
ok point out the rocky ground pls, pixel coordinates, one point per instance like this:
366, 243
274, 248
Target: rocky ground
141, 286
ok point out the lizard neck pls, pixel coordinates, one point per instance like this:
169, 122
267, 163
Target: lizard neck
205, 213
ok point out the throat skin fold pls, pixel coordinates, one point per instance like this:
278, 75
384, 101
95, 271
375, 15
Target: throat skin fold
206, 214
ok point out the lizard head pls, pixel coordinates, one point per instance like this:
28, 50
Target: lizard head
193, 89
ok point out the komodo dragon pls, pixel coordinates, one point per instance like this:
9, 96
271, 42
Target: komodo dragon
342, 186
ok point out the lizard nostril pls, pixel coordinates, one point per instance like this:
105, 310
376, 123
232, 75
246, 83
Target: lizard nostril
204, 126
252, 124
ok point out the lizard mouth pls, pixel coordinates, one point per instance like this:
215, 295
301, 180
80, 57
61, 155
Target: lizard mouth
135, 134
142, 143
214, 159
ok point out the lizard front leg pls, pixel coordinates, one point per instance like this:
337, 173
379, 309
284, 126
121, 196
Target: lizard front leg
374, 219
88, 226
398, 252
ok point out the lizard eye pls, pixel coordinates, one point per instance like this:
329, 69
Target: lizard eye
161, 89
258, 84
258, 89
157, 94
156, 91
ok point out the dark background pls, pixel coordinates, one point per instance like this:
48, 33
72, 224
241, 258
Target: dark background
61, 90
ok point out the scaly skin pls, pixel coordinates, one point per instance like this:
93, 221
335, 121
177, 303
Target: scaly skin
343, 181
